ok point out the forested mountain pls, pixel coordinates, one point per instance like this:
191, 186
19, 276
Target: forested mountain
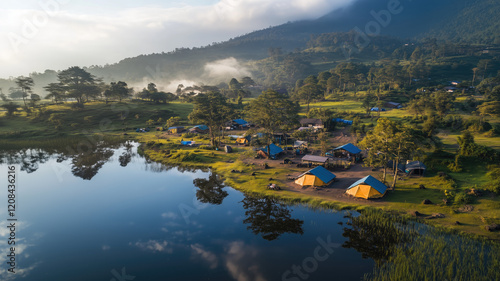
281, 51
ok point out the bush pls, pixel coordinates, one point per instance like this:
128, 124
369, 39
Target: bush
463, 198
189, 135
207, 147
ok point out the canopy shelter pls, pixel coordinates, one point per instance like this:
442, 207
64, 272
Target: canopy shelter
316, 160
367, 188
318, 176
347, 151
176, 130
274, 151
199, 129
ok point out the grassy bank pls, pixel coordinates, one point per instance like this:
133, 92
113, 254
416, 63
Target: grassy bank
243, 174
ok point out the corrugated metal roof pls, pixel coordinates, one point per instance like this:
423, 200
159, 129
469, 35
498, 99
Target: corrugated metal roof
351, 148
273, 149
371, 181
313, 158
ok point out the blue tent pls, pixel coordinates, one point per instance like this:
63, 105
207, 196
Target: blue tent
368, 187
201, 127
186, 143
240, 121
273, 150
351, 148
323, 174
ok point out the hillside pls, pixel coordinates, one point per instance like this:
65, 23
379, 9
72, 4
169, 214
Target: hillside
458, 21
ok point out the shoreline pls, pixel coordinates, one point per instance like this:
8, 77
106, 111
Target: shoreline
237, 169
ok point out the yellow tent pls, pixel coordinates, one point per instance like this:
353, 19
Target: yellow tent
318, 176
367, 188
242, 140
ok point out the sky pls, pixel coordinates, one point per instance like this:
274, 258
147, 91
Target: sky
56, 34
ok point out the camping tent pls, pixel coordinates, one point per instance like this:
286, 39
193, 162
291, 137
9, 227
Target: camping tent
199, 129
415, 168
318, 176
176, 130
367, 188
347, 150
274, 150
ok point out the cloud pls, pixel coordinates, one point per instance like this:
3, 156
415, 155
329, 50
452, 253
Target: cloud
154, 246
208, 256
170, 215
224, 70
65, 37
242, 262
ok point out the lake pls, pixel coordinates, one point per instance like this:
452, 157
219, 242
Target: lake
112, 215
106, 213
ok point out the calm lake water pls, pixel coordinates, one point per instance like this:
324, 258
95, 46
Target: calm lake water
112, 215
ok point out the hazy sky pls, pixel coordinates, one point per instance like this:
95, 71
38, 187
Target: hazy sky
55, 34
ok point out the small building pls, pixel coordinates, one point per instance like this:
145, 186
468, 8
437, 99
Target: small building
393, 105
315, 160
318, 176
240, 124
199, 129
300, 144
415, 168
367, 188
347, 151
377, 109
274, 151
176, 130
311, 122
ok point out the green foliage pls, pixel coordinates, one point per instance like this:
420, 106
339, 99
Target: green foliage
463, 198
11, 108
173, 121
456, 167
494, 177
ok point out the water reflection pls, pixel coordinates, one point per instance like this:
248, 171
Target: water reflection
375, 236
210, 190
87, 165
127, 155
270, 218
28, 159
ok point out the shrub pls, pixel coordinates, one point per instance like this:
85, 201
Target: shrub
463, 198
189, 135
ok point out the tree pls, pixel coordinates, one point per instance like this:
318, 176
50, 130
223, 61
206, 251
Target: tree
34, 98
212, 110
309, 91
56, 91
118, 90
368, 102
173, 121
26, 85
273, 112
490, 108
389, 140
11, 108
78, 84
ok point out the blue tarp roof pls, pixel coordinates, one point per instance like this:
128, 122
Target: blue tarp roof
273, 149
240, 121
340, 120
186, 142
180, 127
371, 181
351, 148
323, 174
201, 127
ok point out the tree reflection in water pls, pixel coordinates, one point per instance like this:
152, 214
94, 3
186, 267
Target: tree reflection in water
269, 218
210, 190
126, 157
87, 165
28, 159
375, 235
